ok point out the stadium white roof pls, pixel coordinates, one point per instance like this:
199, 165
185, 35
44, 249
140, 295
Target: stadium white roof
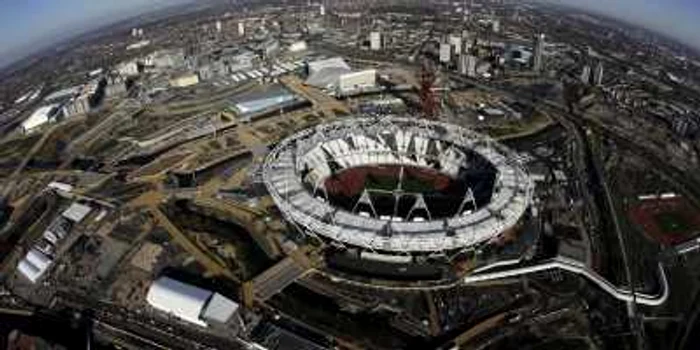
179, 299
385, 141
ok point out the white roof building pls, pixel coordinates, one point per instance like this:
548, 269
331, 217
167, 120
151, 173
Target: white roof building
325, 74
127, 69
31, 272
76, 212
34, 265
63, 94
356, 81
60, 186
219, 309
298, 46
190, 303
38, 259
40, 117
335, 62
185, 80
138, 45
51, 237
179, 299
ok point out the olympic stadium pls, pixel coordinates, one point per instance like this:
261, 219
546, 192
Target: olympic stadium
397, 187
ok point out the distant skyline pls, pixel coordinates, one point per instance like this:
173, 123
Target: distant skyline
28, 26
31, 25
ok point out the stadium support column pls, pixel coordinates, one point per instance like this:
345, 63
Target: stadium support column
468, 197
365, 199
419, 204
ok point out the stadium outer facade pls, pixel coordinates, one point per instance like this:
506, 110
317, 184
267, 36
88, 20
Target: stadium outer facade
294, 174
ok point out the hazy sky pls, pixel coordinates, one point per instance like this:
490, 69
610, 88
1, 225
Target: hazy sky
677, 18
26, 25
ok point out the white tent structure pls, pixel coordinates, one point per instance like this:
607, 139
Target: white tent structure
190, 303
179, 299
325, 74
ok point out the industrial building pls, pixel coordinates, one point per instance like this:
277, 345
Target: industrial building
467, 65
272, 97
76, 212
185, 80
34, 265
298, 46
357, 81
166, 59
189, 303
128, 69
63, 95
39, 257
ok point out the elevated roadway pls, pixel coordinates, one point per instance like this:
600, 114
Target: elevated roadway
579, 268
278, 277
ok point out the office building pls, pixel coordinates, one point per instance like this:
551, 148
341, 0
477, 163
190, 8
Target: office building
467, 65
598, 74
456, 43
585, 74
375, 41
445, 53
496, 26
538, 59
